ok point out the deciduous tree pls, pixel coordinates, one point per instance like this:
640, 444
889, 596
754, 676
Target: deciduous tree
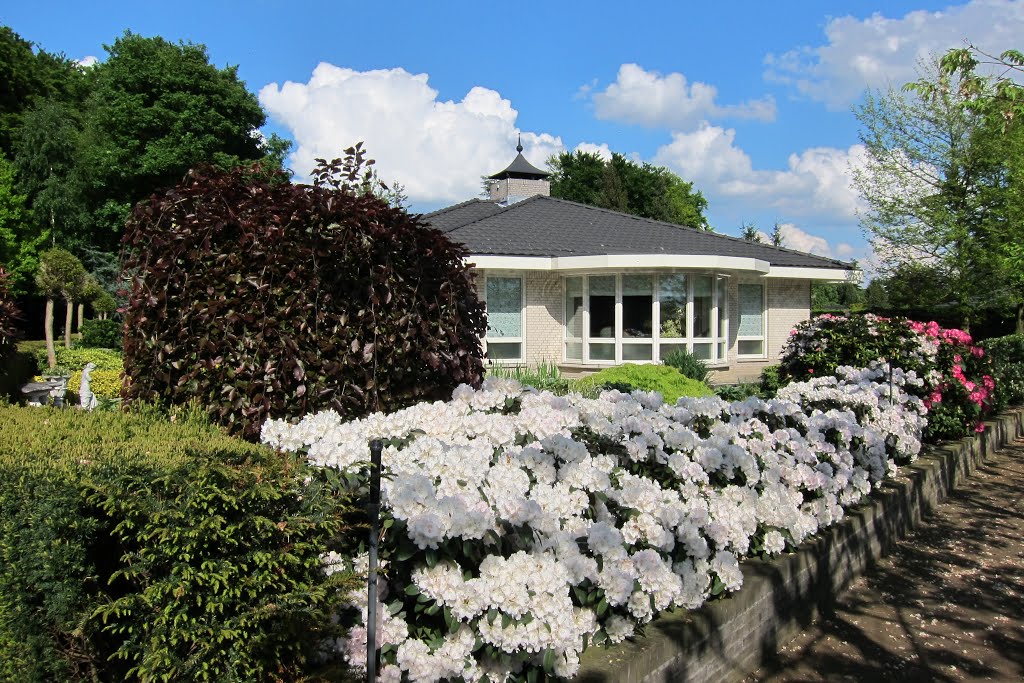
624, 185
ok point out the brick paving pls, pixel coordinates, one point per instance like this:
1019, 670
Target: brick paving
946, 605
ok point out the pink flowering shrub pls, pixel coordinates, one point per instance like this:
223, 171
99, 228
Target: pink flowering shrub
958, 387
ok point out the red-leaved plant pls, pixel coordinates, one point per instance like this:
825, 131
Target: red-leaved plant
262, 298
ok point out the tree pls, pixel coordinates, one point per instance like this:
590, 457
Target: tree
750, 233
776, 237
997, 103
156, 110
921, 183
623, 185
14, 219
60, 275
30, 75
91, 291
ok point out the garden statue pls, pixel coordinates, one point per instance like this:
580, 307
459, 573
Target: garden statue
87, 399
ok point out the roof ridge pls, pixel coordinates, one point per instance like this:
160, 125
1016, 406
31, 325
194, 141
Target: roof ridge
446, 209
501, 210
689, 227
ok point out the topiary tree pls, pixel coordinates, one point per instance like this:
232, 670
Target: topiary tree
91, 290
9, 315
104, 305
262, 298
60, 275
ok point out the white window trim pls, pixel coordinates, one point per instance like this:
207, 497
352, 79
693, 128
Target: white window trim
763, 337
655, 341
521, 340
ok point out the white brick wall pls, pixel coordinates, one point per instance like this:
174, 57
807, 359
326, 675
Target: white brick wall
544, 311
789, 303
501, 190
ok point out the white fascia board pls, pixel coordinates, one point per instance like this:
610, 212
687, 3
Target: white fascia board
619, 262
830, 274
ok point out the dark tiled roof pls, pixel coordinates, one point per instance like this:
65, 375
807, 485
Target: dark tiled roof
520, 168
545, 226
456, 216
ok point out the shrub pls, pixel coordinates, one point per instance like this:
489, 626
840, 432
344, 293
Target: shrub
102, 334
106, 384
770, 382
524, 526
134, 548
685, 362
16, 369
263, 298
1007, 355
9, 316
667, 381
76, 359
958, 386
736, 392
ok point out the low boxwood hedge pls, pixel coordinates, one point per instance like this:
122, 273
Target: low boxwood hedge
668, 381
134, 548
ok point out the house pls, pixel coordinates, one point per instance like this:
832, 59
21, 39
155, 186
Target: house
585, 287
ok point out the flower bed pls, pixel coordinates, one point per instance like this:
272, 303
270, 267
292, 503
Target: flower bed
522, 527
958, 385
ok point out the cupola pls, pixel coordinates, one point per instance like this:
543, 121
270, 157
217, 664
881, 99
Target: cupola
519, 180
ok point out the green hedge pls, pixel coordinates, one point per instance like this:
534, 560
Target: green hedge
1007, 355
132, 548
76, 358
102, 334
668, 381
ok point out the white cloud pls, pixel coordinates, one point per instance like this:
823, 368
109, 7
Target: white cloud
436, 149
795, 238
816, 182
652, 99
879, 52
602, 150
87, 61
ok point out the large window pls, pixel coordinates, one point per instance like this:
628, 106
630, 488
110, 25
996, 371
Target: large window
504, 300
638, 317
750, 334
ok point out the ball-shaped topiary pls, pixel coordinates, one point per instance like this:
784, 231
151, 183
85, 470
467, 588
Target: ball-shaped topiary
262, 298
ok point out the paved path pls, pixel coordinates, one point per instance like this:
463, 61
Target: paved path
947, 605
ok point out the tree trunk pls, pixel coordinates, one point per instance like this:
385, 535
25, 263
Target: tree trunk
51, 354
1020, 318
81, 316
67, 324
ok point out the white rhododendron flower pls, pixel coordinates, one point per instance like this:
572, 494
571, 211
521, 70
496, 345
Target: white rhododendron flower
530, 524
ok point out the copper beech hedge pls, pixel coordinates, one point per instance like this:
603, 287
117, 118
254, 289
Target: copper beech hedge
263, 298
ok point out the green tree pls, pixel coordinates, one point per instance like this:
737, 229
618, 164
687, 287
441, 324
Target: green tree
623, 185
157, 109
14, 218
60, 275
922, 185
749, 232
875, 296
776, 237
28, 76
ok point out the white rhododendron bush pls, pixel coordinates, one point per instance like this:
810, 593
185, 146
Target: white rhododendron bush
521, 527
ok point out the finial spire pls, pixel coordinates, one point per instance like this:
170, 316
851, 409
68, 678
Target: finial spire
519, 147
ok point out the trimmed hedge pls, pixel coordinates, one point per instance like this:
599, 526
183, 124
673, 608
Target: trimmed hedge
260, 298
102, 334
76, 358
133, 548
668, 381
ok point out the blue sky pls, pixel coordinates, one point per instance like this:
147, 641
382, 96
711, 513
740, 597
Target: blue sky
751, 101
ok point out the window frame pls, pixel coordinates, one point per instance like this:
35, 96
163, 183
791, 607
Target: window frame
521, 339
763, 337
719, 313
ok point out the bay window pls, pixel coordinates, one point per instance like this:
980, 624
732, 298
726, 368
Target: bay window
643, 317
